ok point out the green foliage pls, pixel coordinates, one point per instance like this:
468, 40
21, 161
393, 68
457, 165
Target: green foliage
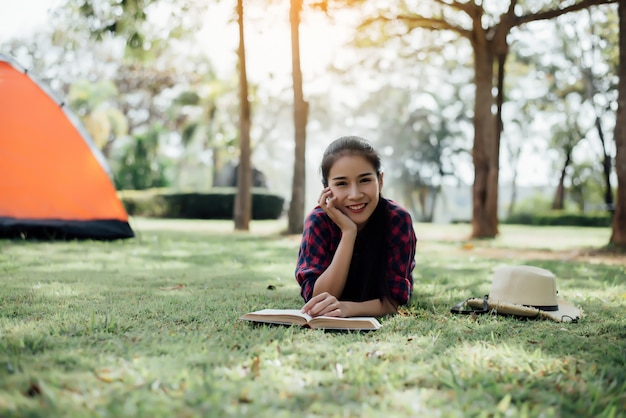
561, 218
85, 95
587, 186
188, 133
149, 328
216, 204
191, 98
140, 165
147, 202
538, 202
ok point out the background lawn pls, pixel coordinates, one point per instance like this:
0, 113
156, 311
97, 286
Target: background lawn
149, 328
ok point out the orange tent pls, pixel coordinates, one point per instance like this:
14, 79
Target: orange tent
54, 181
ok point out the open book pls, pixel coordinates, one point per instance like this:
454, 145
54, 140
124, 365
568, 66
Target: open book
295, 317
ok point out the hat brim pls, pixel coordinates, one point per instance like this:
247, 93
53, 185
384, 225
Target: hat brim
566, 312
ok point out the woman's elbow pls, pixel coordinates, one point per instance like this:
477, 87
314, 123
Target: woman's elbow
390, 306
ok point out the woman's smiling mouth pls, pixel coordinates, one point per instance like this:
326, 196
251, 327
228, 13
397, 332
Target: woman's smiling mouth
357, 208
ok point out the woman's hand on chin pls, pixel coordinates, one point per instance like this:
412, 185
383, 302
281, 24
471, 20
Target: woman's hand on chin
327, 202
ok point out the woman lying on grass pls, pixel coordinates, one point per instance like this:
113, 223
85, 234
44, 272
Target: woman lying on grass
358, 249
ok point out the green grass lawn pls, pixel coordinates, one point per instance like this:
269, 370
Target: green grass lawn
149, 327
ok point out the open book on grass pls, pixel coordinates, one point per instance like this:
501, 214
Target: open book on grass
295, 317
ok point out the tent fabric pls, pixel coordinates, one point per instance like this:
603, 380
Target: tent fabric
54, 181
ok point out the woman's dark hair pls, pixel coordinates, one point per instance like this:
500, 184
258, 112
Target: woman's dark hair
348, 145
367, 278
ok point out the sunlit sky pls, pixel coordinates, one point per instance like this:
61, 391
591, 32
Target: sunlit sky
268, 41
269, 49
23, 16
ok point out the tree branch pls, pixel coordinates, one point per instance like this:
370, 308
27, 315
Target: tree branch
550, 14
471, 8
432, 24
512, 5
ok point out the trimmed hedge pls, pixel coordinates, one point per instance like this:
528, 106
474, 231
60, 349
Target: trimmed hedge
560, 218
218, 203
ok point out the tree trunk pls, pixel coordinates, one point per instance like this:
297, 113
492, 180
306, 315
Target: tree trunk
243, 199
590, 92
618, 235
515, 156
216, 165
486, 149
559, 196
488, 44
606, 168
300, 113
513, 198
432, 203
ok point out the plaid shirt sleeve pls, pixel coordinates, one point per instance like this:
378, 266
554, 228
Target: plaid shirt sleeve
319, 243
401, 257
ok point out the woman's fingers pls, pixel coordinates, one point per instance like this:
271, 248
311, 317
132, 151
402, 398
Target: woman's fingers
312, 302
334, 312
327, 203
321, 307
324, 307
325, 199
323, 196
322, 304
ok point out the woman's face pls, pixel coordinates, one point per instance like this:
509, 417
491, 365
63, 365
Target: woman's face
354, 183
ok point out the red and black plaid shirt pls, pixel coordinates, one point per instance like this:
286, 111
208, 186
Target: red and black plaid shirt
321, 237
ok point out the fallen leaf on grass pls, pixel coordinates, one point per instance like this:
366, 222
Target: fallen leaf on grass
72, 389
124, 373
108, 375
175, 287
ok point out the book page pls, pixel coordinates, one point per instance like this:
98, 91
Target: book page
294, 316
356, 323
278, 316
283, 312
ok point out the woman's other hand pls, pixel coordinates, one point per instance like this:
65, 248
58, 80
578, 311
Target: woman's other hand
324, 304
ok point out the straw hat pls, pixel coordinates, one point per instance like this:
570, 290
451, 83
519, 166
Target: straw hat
525, 291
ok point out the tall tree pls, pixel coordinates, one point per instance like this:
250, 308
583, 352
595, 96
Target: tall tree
618, 234
591, 90
564, 139
582, 48
300, 114
522, 122
487, 34
243, 199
